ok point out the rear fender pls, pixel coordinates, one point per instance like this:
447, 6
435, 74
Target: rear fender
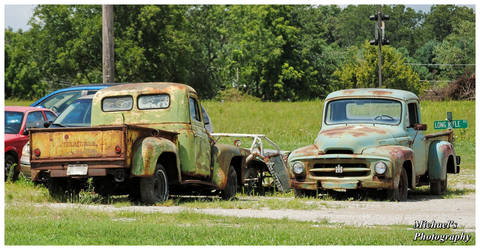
398, 155
438, 154
146, 152
223, 156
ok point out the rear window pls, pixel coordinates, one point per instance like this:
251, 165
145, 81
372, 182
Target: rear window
160, 101
117, 103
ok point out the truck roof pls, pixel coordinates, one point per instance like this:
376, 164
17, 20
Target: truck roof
373, 93
147, 87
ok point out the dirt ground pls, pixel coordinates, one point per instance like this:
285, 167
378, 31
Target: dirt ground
358, 213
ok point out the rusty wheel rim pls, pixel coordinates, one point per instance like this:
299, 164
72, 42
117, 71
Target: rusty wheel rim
160, 185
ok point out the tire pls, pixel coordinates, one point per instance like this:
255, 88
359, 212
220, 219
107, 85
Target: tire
10, 161
438, 187
155, 188
400, 192
231, 188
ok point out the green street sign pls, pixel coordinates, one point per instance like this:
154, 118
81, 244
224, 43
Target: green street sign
454, 124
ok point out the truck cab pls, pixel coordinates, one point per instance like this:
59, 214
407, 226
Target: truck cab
373, 139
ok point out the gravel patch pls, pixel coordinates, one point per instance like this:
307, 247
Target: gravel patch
357, 213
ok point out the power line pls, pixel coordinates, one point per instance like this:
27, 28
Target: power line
431, 64
437, 80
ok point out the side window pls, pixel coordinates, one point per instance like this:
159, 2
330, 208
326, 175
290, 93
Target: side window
194, 111
35, 120
206, 119
412, 114
61, 101
50, 116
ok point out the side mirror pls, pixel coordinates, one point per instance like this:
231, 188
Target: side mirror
47, 124
25, 131
421, 127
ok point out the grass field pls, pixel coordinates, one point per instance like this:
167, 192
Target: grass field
290, 125
26, 223
83, 227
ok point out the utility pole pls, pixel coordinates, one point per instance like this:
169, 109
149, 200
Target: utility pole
108, 62
379, 39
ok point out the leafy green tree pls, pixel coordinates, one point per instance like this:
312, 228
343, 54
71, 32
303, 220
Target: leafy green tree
361, 70
275, 52
439, 22
151, 43
354, 25
208, 38
68, 43
23, 78
457, 51
403, 29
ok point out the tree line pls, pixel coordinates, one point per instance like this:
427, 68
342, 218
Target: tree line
274, 52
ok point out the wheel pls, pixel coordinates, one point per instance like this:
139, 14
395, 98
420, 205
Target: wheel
400, 193
231, 188
301, 193
155, 188
438, 187
253, 181
11, 161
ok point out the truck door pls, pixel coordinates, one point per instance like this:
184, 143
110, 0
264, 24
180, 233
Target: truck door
202, 144
418, 146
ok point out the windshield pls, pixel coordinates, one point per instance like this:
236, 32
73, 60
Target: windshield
363, 111
13, 122
78, 114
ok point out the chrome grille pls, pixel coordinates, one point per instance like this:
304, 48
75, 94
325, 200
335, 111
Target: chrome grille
340, 170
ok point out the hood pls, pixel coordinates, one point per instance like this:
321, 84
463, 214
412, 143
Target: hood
13, 137
355, 138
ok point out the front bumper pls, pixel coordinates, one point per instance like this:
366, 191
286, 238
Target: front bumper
342, 184
341, 172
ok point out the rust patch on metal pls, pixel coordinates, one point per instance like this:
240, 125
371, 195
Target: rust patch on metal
349, 91
397, 153
447, 150
381, 92
310, 150
354, 131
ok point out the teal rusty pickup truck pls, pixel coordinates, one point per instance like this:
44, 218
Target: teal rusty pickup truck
373, 139
147, 140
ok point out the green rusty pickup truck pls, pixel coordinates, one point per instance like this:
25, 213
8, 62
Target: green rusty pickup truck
147, 140
373, 139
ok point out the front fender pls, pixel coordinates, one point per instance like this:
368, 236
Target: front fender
11, 148
146, 152
222, 158
398, 155
438, 154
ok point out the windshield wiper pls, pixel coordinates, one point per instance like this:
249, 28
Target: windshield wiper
58, 124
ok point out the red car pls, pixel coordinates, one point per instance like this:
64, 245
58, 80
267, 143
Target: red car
17, 122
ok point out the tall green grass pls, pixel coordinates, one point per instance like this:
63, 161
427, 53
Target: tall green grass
289, 124
18, 102
295, 124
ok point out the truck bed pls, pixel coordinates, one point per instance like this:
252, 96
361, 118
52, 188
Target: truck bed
87, 144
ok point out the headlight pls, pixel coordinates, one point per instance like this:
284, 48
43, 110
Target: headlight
380, 167
25, 159
298, 167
